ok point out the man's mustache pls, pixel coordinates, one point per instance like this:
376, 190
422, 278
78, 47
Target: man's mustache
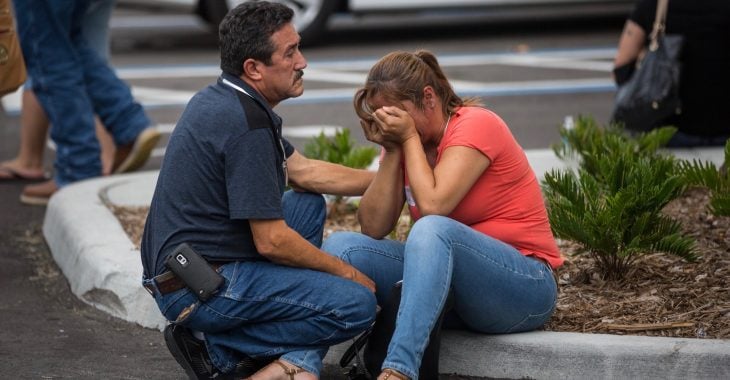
300, 74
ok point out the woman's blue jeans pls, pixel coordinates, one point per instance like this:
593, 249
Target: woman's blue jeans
496, 289
267, 310
72, 83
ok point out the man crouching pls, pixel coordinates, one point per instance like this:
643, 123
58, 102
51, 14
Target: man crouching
221, 191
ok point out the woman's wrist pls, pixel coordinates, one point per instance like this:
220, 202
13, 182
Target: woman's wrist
392, 149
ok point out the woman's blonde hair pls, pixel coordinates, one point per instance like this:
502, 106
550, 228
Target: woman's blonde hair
402, 76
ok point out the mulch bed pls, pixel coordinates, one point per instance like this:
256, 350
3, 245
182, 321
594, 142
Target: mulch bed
661, 296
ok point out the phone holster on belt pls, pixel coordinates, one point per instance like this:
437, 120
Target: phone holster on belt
197, 274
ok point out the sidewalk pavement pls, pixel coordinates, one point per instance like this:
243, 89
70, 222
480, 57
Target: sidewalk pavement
104, 270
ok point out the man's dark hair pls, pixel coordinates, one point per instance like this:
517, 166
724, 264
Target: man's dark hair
246, 33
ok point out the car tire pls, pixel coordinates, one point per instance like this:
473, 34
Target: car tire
310, 16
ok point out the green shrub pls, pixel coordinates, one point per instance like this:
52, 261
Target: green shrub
587, 140
611, 206
340, 149
697, 173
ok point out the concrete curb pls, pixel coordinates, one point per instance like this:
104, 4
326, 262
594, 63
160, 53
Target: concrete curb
104, 270
89, 245
553, 355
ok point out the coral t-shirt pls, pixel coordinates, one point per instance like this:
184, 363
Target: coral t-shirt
506, 201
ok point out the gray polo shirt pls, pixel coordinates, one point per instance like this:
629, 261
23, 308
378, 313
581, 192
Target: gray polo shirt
222, 167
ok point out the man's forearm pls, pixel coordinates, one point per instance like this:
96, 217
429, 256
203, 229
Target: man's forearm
282, 245
328, 178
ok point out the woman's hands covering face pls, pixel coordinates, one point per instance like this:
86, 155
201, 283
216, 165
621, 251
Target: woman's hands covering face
389, 127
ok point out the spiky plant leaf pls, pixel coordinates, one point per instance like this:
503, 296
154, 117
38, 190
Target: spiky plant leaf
700, 173
612, 204
720, 204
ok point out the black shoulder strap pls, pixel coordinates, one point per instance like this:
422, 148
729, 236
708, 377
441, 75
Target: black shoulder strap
255, 114
257, 117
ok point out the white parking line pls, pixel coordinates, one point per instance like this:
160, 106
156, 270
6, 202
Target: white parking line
353, 72
340, 71
152, 97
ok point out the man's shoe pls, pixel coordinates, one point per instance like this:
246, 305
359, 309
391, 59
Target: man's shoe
191, 354
39, 194
132, 156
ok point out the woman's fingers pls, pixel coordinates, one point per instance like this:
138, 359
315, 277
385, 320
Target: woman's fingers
371, 131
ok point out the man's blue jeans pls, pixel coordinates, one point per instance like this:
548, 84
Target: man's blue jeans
266, 310
496, 289
72, 82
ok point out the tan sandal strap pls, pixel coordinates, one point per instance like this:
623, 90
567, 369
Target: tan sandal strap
290, 371
390, 372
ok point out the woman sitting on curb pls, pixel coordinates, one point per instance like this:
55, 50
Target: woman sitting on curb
481, 229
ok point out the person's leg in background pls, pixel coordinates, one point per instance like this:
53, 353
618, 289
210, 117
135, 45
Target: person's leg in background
122, 116
47, 30
34, 124
77, 85
28, 163
95, 28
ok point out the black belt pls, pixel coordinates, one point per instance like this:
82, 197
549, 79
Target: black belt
168, 282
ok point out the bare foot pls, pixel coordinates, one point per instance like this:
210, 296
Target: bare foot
14, 169
282, 370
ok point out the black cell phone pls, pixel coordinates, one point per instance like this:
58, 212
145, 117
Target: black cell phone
194, 271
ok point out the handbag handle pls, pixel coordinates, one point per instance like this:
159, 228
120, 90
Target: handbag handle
660, 21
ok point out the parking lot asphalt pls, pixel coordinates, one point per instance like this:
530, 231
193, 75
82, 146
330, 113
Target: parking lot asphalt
46, 331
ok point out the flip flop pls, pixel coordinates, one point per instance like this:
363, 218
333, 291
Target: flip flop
10, 174
133, 156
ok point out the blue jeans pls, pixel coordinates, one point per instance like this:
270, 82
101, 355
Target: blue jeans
266, 310
72, 83
95, 26
496, 289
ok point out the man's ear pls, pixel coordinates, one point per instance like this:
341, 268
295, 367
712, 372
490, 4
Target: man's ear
251, 69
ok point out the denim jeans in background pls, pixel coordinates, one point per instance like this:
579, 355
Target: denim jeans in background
496, 289
95, 26
72, 83
266, 310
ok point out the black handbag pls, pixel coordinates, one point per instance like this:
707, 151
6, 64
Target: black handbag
651, 96
376, 340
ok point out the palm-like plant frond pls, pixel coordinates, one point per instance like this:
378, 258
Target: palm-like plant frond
612, 204
705, 174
